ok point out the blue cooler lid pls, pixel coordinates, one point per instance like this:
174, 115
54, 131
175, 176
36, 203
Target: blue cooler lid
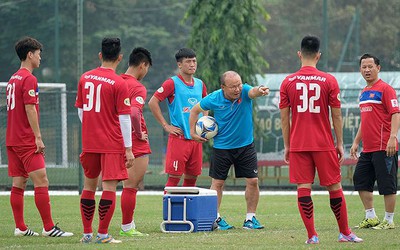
189, 190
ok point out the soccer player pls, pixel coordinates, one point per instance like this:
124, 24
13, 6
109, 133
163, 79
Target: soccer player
139, 64
380, 119
104, 110
306, 97
184, 155
25, 147
234, 143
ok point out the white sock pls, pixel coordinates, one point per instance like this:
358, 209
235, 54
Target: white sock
249, 216
126, 227
218, 215
89, 234
370, 213
389, 217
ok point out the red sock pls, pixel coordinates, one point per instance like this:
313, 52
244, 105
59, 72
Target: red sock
339, 208
42, 201
128, 204
17, 206
88, 206
172, 182
106, 211
306, 209
189, 182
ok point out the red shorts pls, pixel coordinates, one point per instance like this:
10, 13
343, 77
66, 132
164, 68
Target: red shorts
183, 156
22, 160
111, 166
302, 167
139, 147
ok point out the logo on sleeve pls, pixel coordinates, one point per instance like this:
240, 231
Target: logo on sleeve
394, 103
338, 97
139, 99
127, 102
160, 90
32, 93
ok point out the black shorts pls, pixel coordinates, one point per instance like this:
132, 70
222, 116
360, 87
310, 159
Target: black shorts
376, 166
243, 159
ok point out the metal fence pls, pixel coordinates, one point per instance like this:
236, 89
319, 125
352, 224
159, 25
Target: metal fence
63, 141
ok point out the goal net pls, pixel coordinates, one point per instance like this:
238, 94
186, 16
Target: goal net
53, 123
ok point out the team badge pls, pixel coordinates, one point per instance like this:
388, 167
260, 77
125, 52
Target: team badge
394, 103
139, 99
160, 90
32, 93
127, 102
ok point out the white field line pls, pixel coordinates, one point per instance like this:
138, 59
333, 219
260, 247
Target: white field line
161, 193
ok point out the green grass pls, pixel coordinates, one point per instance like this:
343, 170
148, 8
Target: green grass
284, 228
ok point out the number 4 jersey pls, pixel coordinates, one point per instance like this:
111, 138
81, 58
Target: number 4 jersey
103, 96
22, 89
309, 93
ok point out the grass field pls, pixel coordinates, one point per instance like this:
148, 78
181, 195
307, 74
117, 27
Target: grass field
283, 226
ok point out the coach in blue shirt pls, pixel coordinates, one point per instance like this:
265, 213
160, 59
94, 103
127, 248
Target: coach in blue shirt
233, 145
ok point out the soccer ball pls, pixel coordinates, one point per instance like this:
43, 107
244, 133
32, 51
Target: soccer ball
207, 127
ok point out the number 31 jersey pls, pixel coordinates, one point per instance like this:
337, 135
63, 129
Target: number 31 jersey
103, 96
309, 93
22, 89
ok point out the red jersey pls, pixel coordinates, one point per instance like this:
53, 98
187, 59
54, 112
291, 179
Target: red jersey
377, 104
167, 90
137, 95
22, 89
103, 96
309, 93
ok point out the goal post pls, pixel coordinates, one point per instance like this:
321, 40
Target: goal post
53, 123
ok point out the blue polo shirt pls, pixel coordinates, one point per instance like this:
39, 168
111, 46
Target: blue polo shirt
234, 119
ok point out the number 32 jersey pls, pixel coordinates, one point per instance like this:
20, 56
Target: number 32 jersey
309, 93
103, 96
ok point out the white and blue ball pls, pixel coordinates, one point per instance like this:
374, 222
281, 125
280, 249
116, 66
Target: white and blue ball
207, 127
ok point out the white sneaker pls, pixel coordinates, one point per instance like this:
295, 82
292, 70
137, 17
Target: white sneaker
56, 232
27, 232
107, 239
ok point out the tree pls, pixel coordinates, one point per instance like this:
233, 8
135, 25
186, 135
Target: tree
224, 35
291, 20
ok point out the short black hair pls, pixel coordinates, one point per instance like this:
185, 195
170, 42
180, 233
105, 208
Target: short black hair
110, 49
310, 45
184, 53
366, 55
139, 55
26, 45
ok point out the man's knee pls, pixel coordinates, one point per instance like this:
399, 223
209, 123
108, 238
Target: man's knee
39, 178
252, 182
19, 182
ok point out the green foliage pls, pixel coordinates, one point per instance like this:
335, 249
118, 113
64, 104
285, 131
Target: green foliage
283, 226
224, 36
153, 24
291, 20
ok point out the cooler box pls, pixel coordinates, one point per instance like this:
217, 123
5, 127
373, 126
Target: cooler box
188, 209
